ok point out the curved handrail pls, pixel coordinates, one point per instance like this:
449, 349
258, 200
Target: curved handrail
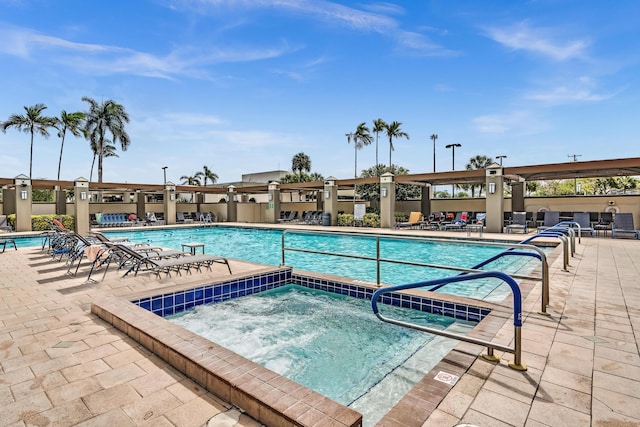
570, 232
563, 239
517, 314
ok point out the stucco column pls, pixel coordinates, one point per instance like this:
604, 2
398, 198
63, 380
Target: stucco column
330, 196
81, 206
23, 203
387, 200
170, 203
517, 196
141, 205
60, 198
273, 198
425, 200
232, 204
495, 198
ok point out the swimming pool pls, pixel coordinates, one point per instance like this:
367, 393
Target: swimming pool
263, 246
353, 358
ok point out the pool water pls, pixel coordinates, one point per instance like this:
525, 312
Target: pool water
330, 343
263, 246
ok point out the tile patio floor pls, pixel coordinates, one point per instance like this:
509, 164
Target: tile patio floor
61, 365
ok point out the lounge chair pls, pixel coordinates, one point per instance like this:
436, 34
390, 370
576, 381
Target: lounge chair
434, 220
415, 220
5, 242
290, 216
623, 225
459, 222
518, 223
158, 264
551, 218
583, 219
4, 225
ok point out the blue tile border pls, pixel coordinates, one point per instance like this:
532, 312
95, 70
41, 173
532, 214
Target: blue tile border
170, 303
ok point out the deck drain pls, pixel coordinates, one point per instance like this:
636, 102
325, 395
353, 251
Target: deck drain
225, 419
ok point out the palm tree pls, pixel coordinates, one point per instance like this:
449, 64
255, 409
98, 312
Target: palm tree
361, 137
33, 122
393, 131
192, 180
478, 162
301, 162
102, 118
378, 126
207, 174
107, 151
71, 122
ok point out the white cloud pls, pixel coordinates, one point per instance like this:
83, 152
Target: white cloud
581, 90
515, 123
538, 40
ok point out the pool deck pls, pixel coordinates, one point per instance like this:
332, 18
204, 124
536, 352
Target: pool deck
61, 365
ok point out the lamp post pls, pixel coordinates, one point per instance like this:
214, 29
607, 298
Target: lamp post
575, 180
164, 171
355, 162
434, 137
453, 163
502, 156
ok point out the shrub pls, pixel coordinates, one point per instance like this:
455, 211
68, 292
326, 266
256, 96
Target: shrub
371, 220
345, 219
39, 222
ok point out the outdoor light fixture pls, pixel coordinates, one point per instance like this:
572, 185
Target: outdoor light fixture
383, 191
23, 194
327, 194
83, 195
172, 197
492, 187
270, 197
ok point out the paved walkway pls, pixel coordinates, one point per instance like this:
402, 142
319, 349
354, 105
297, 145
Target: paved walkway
60, 365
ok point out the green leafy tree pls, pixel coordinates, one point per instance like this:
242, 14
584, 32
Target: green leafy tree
208, 175
372, 191
102, 119
625, 183
33, 122
108, 150
71, 122
315, 176
393, 131
300, 163
379, 125
195, 179
361, 137
477, 162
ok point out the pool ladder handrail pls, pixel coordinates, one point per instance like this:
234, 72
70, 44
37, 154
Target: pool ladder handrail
517, 315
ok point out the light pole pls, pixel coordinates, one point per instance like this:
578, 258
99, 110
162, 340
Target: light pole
355, 162
164, 171
500, 158
434, 137
453, 163
575, 180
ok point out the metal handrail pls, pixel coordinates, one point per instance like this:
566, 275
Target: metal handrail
563, 239
379, 260
517, 315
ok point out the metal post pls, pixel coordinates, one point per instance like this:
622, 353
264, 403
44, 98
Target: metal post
164, 170
453, 164
434, 137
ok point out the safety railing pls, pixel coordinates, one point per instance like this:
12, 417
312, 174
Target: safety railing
516, 350
559, 235
521, 247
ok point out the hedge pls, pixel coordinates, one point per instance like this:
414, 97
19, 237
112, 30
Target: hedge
39, 222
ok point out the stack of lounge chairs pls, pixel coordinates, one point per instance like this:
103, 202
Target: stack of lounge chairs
114, 220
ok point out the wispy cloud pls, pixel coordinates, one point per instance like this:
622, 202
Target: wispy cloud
581, 90
516, 123
104, 59
376, 19
542, 41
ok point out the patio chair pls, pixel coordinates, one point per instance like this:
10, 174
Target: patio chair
5, 242
584, 221
4, 225
518, 223
551, 218
415, 220
459, 222
623, 225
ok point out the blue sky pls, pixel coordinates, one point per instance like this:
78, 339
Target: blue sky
242, 86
